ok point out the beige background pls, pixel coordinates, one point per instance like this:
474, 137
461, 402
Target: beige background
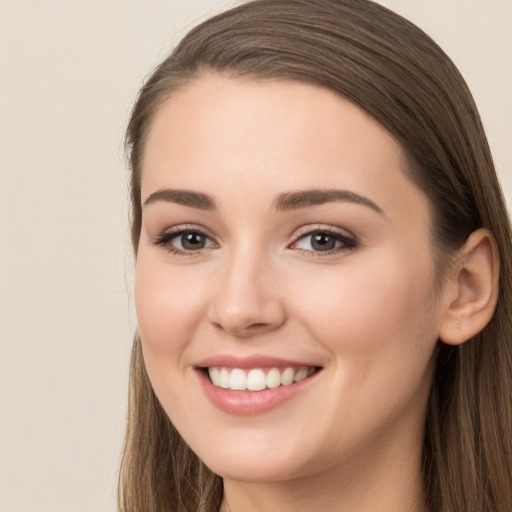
70, 71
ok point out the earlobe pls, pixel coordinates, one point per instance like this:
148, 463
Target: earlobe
473, 289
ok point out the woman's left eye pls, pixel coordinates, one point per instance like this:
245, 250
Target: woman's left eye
324, 241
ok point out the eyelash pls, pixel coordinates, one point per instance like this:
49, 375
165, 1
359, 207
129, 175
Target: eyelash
348, 243
164, 240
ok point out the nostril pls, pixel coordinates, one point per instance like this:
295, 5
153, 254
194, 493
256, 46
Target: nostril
256, 326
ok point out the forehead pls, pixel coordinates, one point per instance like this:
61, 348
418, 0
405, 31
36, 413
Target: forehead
220, 134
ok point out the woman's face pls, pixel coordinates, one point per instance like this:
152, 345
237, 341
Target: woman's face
282, 240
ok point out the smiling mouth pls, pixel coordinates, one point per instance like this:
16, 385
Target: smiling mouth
258, 379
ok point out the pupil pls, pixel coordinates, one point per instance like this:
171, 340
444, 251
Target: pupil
323, 242
192, 241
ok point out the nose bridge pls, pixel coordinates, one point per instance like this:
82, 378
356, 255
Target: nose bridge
247, 299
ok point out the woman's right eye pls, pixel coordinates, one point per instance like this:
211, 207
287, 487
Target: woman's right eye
185, 241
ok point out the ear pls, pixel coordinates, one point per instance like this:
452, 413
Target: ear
472, 291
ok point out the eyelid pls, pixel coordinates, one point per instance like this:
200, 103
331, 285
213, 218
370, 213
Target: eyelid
176, 230
164, 237
348, 240
312, 228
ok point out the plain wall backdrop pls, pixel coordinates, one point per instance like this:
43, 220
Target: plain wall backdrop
70, 72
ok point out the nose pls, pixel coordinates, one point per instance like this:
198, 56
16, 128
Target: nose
247, 300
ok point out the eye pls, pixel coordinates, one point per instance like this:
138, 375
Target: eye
324, 241
185, 241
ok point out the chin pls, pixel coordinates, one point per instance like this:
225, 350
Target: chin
258, 463
256, 472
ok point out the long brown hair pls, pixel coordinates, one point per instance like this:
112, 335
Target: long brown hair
396, 73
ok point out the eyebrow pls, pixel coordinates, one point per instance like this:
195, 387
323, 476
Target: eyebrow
284, 202
303, 199
183, 197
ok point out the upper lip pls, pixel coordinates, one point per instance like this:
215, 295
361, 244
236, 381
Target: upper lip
255, 361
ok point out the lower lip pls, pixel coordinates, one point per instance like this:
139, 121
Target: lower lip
246, 403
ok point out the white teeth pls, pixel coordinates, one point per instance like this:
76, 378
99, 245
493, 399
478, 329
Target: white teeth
273, 378
224, 379
287, 377
214, 375
256, 379
237, 379
300, 375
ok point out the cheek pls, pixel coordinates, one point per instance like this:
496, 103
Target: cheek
169, 304
379, 314
169, 307
380, 332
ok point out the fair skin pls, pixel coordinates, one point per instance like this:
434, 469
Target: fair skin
231, 273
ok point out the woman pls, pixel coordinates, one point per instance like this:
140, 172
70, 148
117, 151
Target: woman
323, 273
